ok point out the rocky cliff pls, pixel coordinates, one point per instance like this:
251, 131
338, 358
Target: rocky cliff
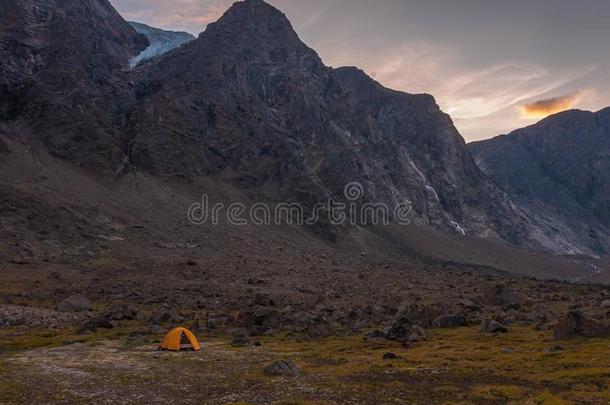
61, 70
559, 172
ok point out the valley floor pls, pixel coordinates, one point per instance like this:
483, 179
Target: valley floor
452, 366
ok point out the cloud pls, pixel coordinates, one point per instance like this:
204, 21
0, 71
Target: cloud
483, 100
187, 15
546, 107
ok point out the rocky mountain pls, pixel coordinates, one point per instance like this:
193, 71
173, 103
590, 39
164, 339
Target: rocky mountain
559, 172
62, 73
161, 42
248, 103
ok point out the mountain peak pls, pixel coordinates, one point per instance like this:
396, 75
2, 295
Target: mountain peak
254, 18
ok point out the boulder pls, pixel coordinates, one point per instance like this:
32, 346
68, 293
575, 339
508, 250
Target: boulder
491, 326
501, 295
262, 317
74, 303
124, 312
376, 334
450, 321
423, 314
577, 323
263, 300
99, 322
240, 340
320, 327
284, 368
404, 331
165, 316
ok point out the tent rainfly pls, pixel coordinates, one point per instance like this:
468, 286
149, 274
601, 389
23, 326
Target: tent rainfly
180, 339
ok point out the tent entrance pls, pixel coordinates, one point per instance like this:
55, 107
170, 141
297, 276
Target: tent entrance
185, 343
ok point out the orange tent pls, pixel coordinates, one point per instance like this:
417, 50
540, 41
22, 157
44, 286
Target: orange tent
180, 339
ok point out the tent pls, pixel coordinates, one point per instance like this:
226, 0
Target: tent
180, 339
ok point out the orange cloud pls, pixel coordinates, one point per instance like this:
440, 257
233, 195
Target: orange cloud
544, 108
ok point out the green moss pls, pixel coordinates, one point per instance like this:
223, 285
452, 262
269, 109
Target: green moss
496, 392
547, 398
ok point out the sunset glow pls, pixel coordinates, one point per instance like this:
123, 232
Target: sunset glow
544, 108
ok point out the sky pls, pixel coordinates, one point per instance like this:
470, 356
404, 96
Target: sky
493, 65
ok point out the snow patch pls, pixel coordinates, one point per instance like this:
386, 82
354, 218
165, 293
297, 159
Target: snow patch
432, 191
458, 228
160, 42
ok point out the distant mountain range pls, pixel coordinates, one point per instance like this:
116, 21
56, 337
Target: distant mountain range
248, 103
558, 171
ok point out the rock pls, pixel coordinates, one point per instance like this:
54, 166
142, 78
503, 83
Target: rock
54, 276
512, 305
240, 340
404, 331
260, 320
16, 315
213, 323
74, 303
376, 334
320, 327
577, 323
491, 326
284, 368
19, 259
126, 312
99, 322
450, 321
165, 316
177, 245
501, 294
263, 300
196, 326
423, 314
390, 356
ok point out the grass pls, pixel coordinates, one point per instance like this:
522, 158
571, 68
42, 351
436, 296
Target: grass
452, 366
20, 339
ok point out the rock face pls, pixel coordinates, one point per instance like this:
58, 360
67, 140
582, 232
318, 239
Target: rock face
559, 172
61, 68
161, 42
